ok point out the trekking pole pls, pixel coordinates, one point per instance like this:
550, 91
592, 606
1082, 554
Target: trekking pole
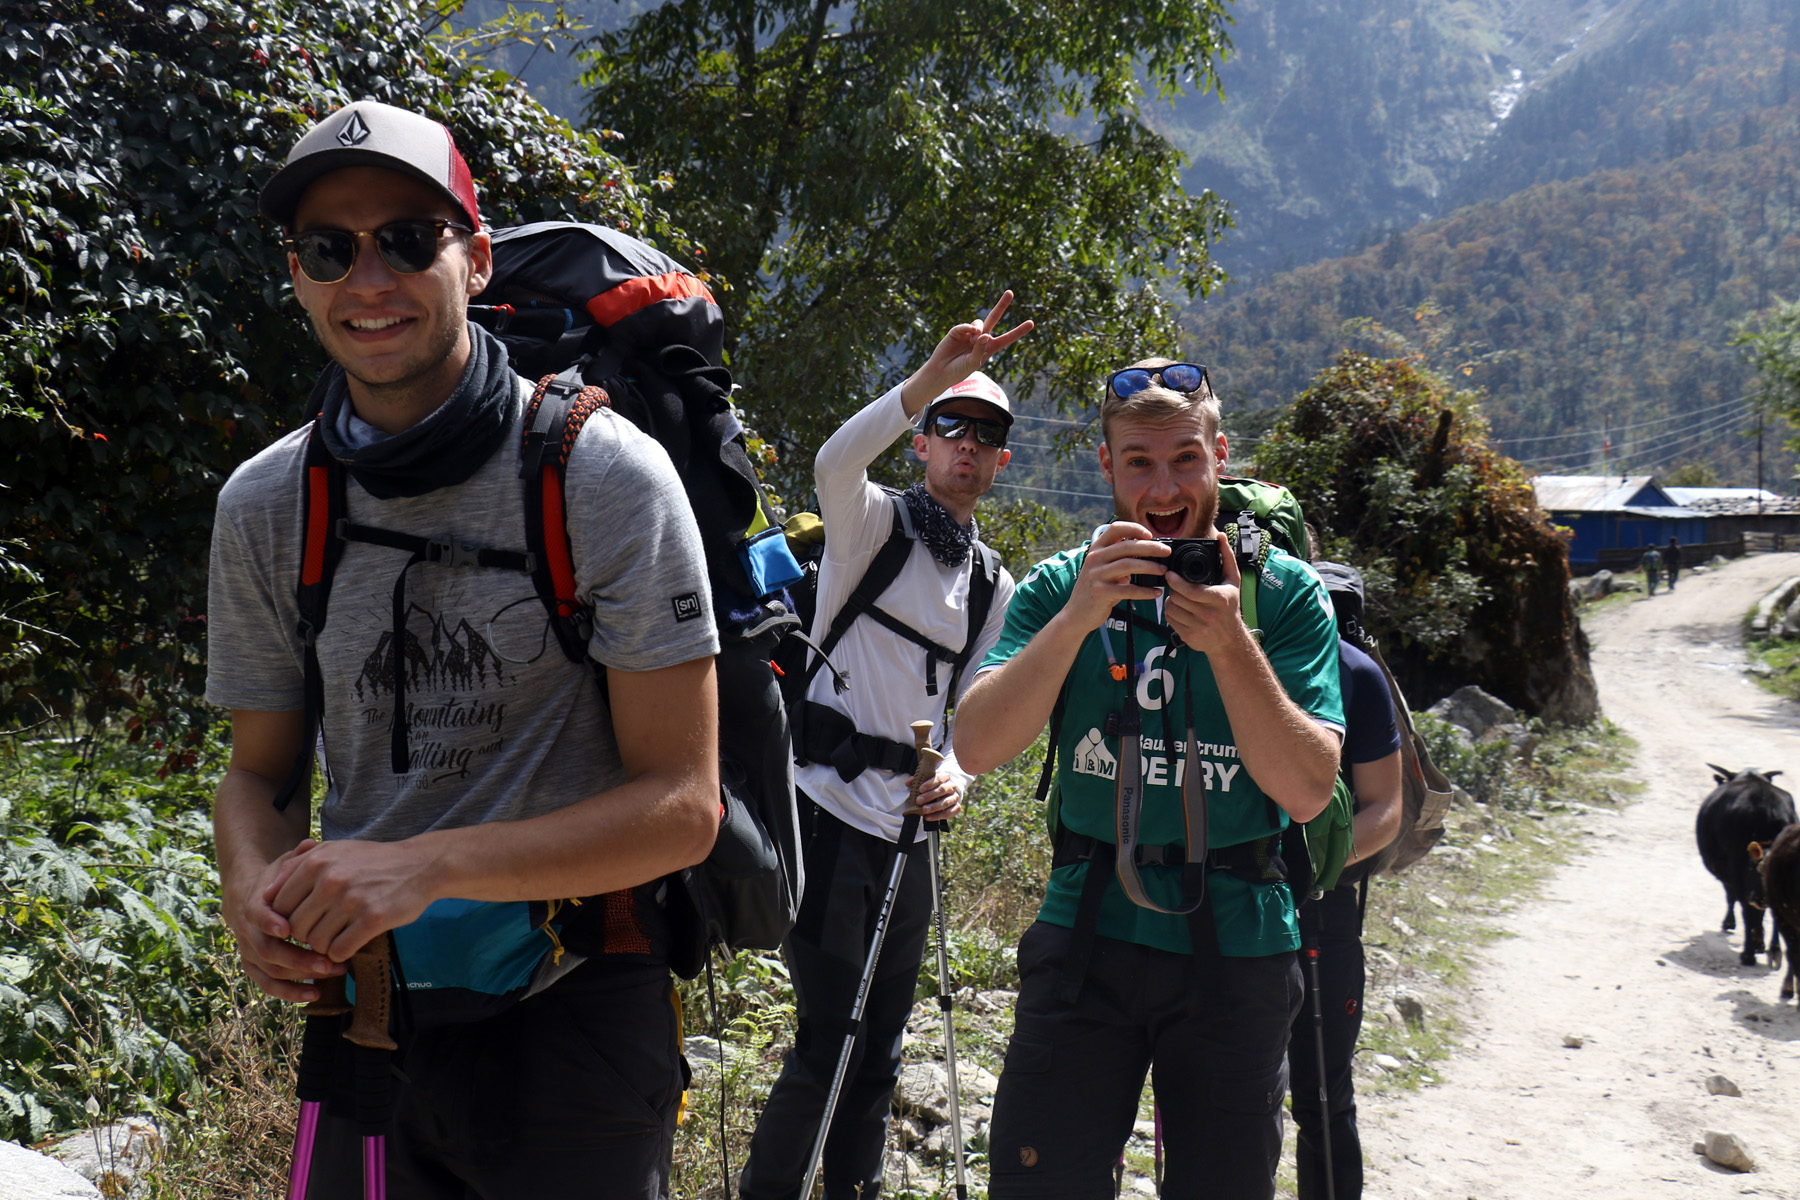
909, 829
372, 968
1310, 948
922, 730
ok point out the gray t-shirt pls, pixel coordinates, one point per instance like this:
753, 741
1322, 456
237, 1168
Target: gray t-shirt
502, 726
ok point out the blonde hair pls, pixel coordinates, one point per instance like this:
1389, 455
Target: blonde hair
1157, 404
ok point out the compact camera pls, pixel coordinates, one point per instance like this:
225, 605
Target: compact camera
1196, 560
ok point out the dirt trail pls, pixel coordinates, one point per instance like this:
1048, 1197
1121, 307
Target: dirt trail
1623, 950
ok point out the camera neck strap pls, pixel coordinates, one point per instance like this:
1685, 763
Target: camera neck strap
1129, 804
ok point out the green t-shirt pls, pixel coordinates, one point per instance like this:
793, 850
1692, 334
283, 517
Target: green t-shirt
1301, 642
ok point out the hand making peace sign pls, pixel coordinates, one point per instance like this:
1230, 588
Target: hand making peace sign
964, 350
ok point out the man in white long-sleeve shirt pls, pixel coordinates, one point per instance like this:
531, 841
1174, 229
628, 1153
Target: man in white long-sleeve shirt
903, 663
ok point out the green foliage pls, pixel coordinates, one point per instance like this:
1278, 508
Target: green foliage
147, 342
864, 176
1467, 583
996, 861
109, 918
1023, 531
1689, 475
1772, 344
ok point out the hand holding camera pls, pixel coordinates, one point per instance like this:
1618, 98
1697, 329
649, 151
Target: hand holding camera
1200, 602
1197, 560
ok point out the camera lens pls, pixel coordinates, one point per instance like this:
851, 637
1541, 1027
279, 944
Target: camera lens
1197, 561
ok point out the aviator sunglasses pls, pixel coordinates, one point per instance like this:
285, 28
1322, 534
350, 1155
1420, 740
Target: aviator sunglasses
954, 426
407, 247
1177, 377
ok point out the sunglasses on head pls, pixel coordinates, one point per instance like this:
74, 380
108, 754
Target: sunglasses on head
1177, 377
955, 426
407, 247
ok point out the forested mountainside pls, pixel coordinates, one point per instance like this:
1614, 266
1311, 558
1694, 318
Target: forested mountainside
1343, 120
1592, 298
1609, 298
1650, 84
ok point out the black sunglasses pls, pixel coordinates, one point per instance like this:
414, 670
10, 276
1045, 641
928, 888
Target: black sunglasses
955, 426
408, 247
1177, 377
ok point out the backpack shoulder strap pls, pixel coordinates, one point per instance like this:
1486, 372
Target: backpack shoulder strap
323, 510
984, 581
554, 417
883, 569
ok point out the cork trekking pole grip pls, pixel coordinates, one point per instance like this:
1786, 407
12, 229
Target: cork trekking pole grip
333, 1001
922, 774
373, 969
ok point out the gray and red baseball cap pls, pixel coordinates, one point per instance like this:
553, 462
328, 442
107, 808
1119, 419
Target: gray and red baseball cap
976, 387
371, 134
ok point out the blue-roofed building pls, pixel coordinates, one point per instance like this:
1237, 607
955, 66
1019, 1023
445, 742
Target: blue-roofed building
1615, 512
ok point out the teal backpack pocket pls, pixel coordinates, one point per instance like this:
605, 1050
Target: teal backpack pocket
465, 960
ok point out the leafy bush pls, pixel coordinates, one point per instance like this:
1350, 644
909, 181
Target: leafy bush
1467, 582
147, 341
109, 917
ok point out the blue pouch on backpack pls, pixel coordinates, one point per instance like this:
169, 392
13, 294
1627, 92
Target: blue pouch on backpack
465, 960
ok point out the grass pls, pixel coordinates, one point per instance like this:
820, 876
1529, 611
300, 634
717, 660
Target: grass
1780, 663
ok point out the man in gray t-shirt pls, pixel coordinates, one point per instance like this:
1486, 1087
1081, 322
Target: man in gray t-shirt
514, 778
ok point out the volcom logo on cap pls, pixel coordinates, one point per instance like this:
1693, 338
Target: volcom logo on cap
687, 607
354, 132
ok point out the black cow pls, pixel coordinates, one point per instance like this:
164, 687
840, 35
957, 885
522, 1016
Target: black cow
1781, 885
1745, 808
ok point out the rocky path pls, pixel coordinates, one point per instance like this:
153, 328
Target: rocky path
1594, 1028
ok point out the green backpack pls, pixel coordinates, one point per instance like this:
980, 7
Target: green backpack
1259, 514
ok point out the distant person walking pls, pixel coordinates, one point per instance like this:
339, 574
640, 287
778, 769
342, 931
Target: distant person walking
1652, 564
1672, 560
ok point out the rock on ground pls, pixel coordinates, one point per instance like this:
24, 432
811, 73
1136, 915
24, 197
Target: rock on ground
1474, 710
28, 1175
1727, 1150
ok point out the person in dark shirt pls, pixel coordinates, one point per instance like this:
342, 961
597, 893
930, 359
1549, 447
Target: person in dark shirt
1672, 560
1371, 758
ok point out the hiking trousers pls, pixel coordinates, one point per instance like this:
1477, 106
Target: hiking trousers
1213, 1035
568, 1095
1341, 984
847, 873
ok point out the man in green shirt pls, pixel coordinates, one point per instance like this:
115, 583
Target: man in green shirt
1186, 968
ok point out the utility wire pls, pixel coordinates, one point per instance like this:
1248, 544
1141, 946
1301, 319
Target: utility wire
1622, 428
1020, 487
1713, 424
1707, 429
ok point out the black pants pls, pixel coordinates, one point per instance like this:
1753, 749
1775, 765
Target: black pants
1213, 1035
571, 1093
1337, 920
846, 877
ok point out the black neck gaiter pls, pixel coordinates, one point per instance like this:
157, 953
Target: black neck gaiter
446, 447
948, 541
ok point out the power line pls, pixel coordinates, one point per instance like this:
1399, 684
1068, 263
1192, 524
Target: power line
1707, 429
1623, 428
1052, 420
1715, 423
1020, 487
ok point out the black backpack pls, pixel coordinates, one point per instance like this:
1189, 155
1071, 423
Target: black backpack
581, 307
821, 733
602, 319
1424, 791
